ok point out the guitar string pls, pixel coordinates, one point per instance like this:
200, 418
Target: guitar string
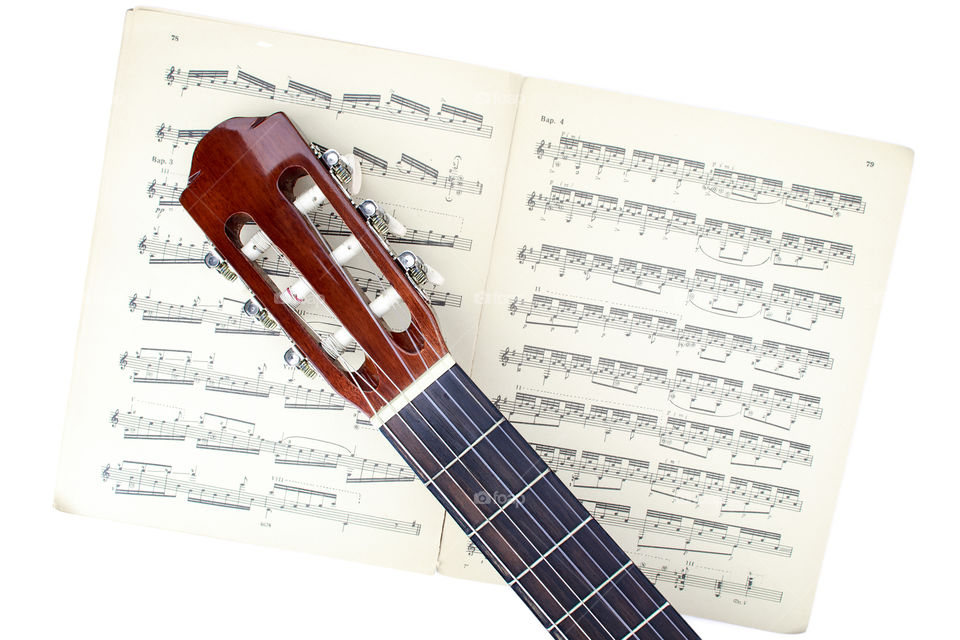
450, 502
643, 589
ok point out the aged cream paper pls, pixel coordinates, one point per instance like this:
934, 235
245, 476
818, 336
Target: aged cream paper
679, 315
182, 414
677, 310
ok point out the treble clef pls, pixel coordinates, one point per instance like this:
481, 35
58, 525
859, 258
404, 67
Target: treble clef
540, 149
504, 357
531, 201
513, 306
161, 132
142, 245
115, 417
133, 302
152, 189
105, 473
123, 360
522, 254
171, 75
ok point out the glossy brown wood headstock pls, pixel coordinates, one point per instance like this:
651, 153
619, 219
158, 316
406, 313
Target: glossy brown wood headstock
243, 171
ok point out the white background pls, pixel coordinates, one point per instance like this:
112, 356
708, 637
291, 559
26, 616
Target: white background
874, 69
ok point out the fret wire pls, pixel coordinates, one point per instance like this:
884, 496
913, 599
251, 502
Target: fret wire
464, 452
453, 508
439, 383
552, 549
477, 400
646, 620
592, 593
473, 532
512, 500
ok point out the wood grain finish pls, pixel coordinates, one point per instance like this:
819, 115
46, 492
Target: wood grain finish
244, 170
566, 568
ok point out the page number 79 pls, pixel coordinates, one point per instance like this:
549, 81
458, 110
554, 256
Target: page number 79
870, 164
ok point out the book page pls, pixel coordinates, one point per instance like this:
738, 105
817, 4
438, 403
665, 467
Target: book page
679, 316
182, 414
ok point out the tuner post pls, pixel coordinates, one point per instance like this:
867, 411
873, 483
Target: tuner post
218, 264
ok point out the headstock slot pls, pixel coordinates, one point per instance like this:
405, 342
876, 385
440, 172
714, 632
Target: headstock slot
245, 171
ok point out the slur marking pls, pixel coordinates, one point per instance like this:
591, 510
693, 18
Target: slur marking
552, 549
464, 452
592, 593
512, 500
648, 619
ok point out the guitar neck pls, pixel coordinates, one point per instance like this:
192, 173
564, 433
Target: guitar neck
518, 513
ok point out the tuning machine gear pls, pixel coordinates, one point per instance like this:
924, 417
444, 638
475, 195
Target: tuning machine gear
218, 264
419, 271
292, 357
342, 167
381, 221
253, 309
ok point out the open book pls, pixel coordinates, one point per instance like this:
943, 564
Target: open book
675, 306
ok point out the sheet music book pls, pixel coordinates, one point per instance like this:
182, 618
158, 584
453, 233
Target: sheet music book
674, 305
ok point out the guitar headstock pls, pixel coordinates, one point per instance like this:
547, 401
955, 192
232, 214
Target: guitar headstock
243, 194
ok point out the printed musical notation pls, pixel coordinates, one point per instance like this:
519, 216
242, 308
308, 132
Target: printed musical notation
723, 294
746, 448
768, 356
724, 241
698, 535
168, 133
409, 169
175, 367
330, 223
178, 252
724, 182
149, 480
231, 435
689, 390
683, 579
153, 310
371, 105
593, 470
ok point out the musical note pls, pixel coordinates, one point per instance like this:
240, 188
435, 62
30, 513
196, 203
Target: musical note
448, 118
724, 182
154, 480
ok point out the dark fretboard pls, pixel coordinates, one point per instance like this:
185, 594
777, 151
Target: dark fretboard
524, 520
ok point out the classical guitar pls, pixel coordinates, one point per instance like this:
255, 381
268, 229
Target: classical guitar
247, 194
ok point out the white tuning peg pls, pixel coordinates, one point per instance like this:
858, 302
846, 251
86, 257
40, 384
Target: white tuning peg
306, 202
356, 176
381, 221
435, 277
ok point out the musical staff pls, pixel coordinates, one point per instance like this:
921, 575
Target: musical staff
727, 183
768, 356
698, 439
170, 252
705, 393
683, 579
698, 535
725, 294
230, 435
168, 133
370, 105
727, 241
153, 310
409, 169
160, 481
329, 223
595, 470
173, 367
